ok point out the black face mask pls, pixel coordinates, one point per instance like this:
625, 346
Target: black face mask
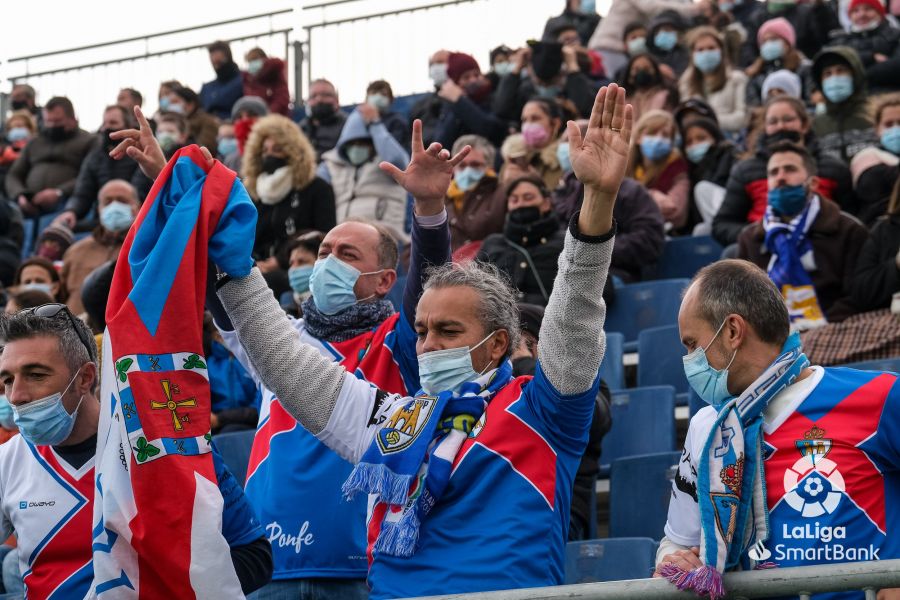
270, 163
644, 79
108, 143
322, 111
784, 135
524, 215
56, 133
19, 105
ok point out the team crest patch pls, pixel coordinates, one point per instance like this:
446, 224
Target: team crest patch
479, 425
404, 426
814, 444
726, 508
731, 475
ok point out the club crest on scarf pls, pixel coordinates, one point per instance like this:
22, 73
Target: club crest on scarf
406, 424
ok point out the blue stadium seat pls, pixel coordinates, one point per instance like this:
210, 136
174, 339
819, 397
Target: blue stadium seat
643, 420
881, 364
404, 104
235, 450
684, 256
639, 492
612, 371
613, 559
640, 306
659, 358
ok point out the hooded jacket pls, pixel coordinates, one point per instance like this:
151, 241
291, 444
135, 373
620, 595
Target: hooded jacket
845, 128
678, 58
365, 191
270, 84
884, 39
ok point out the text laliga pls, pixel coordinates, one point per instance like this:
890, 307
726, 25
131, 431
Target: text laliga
813, 532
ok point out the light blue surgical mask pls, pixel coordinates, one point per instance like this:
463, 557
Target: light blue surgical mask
547, 91
562, 155
45, 422
665, 40
467, 178
698, 151
332, 282
637, 46
378, 101
116, 216
708, 60
710, 384
167, 141
655, 147
890, 139
504, 68
771, 50
7, 414
299, 278
588, 6
227, 146
164, 104
176, 108
726, 6
358, 155
16, 134
838, 88
254, 66
41, 287
446, 370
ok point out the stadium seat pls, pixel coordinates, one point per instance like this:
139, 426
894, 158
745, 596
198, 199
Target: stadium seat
881, 364
639, 492
684, 256
659, 359
235, 450
404, 104
643, 421
613, 559
640, 306
612, 371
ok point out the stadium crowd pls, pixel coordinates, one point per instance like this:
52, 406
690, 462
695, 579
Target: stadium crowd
772, 128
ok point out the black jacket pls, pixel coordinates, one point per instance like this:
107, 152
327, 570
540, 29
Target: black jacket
514, 92
428, 110
323, 134
877, 277
466, 116
812, 24
880, 76
873, 190
309, 208
97, 170
585, 23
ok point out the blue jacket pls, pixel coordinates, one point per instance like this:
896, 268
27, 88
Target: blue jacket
219, 95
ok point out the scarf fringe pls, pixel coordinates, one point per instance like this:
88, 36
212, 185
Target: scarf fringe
704, 581
378, 479
399, 538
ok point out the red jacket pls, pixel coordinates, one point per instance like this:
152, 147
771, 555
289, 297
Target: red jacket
270, 84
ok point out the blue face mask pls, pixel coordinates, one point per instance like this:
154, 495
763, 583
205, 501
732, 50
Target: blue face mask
357, 154
637, 46
588, 6
7, 414
504, 68
838, 88
45, 422
771, 50
547, 91
696, 152
562, 155
378, 101
16, 134
788, 201
446, 370
41, 287
710, 384
665, 40
227, 145
332, 282
164, 104
299, 278
726, 6
890, 139
655, 147
707, 60
467, 178
116, 216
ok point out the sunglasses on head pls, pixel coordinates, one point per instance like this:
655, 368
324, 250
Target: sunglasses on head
49, 311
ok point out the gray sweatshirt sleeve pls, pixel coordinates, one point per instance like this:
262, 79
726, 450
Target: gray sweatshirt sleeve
572, 341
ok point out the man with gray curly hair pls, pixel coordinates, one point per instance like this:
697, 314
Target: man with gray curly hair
470, 480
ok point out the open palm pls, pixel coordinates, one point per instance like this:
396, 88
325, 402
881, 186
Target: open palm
601, 157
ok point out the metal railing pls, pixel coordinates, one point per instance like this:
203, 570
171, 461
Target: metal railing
798, 581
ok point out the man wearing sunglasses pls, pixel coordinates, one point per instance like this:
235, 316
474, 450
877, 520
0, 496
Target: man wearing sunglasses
48, 368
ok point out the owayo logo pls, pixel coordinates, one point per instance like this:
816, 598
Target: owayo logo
23, 504
813, 487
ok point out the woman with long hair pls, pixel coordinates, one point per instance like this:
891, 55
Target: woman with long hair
877, 276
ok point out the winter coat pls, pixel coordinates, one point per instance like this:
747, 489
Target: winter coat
837, 239
812, 24
84, 256
670, 189
877, 276
97, 170
755, 83
478, 213
219, 95
309, 208
585, 23
729, 103
428, 110
45, 163
466, 116
884, 39
324, 134
514, 92
270, 84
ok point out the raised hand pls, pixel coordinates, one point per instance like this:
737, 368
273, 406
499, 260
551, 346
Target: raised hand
141, 146
428, 175
600, 159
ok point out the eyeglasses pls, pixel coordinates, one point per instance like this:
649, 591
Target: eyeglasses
49, 311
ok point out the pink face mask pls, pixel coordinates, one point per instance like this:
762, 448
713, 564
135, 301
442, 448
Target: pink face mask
535, 134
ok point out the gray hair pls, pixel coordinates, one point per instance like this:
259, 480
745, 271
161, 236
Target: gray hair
478, 143
738, 287
498, 309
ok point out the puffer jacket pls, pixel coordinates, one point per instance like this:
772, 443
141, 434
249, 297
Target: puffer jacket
884, 39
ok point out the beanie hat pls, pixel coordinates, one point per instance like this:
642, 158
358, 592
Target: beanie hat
59, 238
254, 105
874, 4
780, 27
459, 63
783, 80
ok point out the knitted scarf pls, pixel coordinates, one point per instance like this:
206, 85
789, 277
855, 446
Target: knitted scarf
731, 489
348, 323
792, 257
409, 463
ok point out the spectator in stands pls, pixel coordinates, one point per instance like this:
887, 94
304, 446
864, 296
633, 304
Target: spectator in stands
233, 394
634, 36
876, 42
380, 96
128, 98
95, 296
666, 44
26, 299
219, 95
162, 96
202, 126
712, 78
777, 51
244, 114
172, 135
476, 203
711, 158
877, 275
746, 197
226, 143
265, 78
806, 243
324, 118
656, 163
589, 61
781, 83
44, 175
429, 108
23, 97
97, 170
361, 188
53, 242
812, 22
301, 253
541, 124
18, 130
279, 172
38, 273
467, 104
12, 233
846, 127
875, 169
528, 249
646, 86
741, 354
580, 14
500, 65
118, 206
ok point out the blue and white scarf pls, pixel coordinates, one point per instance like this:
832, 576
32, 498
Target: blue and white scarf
409, 463
731, 480
792, 259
